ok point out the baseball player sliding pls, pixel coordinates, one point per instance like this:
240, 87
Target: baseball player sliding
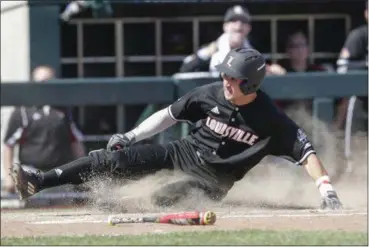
240, 125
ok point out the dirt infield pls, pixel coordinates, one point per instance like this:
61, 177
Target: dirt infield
87, 222
275, 198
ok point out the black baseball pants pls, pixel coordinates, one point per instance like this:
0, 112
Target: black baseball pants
137, 161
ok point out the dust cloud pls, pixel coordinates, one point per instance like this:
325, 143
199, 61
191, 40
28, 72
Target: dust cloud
273, 184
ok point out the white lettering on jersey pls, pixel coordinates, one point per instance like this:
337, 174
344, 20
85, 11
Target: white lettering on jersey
236, 134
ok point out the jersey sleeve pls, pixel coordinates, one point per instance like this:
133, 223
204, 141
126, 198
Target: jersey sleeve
290, 141
16, 127
355, 44
187, 108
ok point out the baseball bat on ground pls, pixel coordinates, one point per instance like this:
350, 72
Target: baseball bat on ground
185, 218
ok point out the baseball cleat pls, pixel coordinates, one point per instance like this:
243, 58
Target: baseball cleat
27, 182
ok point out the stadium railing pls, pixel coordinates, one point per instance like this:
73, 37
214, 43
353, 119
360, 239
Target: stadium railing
321, 87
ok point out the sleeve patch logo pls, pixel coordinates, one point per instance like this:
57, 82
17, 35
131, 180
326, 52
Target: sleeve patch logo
301, 136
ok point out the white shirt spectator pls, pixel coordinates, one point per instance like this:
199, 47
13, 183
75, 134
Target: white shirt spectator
226, 42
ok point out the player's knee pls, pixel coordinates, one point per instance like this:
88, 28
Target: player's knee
103, 159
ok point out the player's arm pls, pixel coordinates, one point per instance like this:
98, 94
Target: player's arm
319, 174
184, 109
292, 143
157, 122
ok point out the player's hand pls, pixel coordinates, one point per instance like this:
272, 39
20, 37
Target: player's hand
331, 201
119, 141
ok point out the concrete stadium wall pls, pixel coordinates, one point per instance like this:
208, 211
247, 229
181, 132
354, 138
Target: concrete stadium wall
15, 64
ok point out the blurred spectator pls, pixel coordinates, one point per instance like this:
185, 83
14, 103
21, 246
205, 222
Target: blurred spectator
297, 49
73, 8
236, 20
100, 8
353, 56
355, 48
235, 40
237, 26
46, 136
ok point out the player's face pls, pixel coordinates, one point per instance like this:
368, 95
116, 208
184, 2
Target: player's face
237, 27
231, 87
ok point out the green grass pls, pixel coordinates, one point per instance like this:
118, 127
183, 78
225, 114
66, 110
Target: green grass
244, 237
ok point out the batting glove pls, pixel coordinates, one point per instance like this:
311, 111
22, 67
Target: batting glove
329, 196
119, 141
331, 201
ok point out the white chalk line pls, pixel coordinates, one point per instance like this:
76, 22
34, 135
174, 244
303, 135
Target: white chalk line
237, 216
292, 211
290, 215
76, 221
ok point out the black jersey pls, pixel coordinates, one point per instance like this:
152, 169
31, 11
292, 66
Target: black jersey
232, 136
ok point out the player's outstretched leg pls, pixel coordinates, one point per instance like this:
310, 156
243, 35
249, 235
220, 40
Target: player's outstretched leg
128, 163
